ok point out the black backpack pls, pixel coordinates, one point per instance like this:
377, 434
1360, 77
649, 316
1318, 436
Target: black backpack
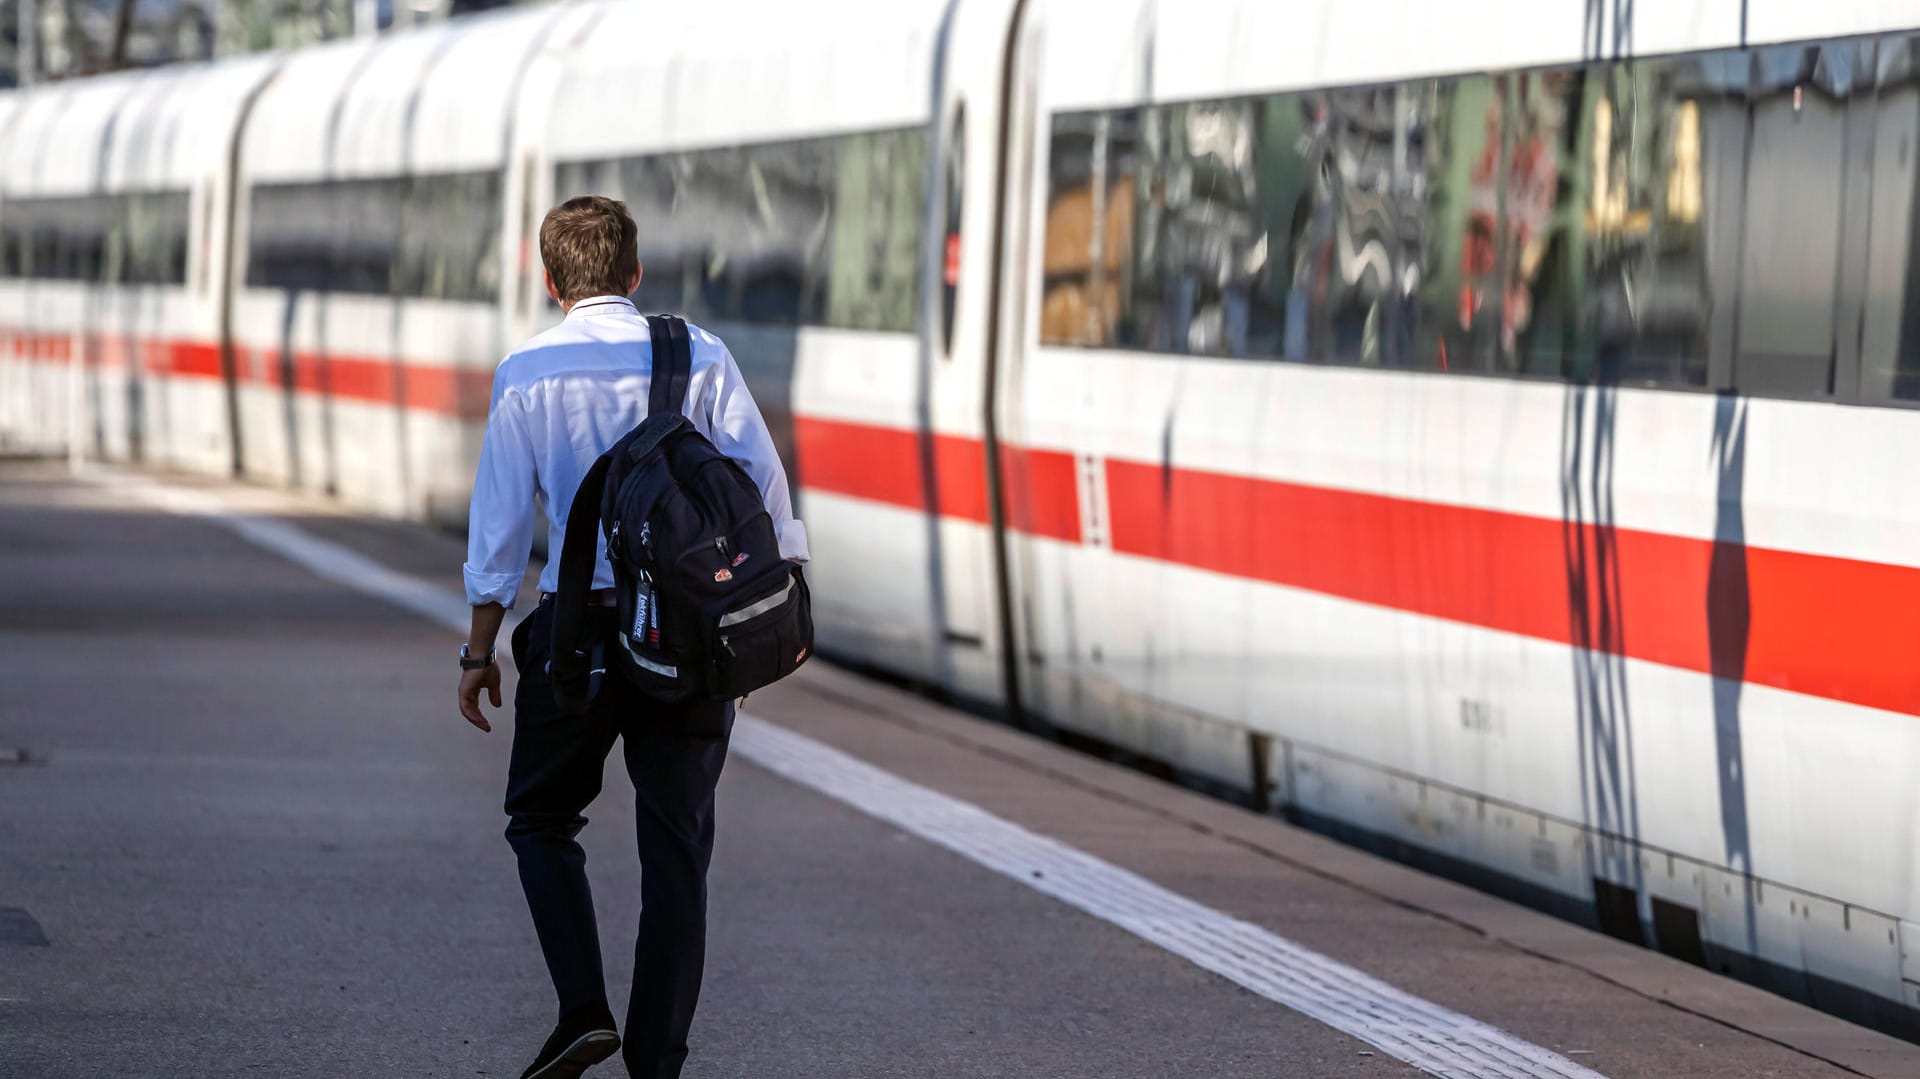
707, 607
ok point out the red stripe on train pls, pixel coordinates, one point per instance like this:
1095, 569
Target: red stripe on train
1830, 627
894, 466
1043, 498
461, 392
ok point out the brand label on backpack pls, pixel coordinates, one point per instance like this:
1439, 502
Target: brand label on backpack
722, 576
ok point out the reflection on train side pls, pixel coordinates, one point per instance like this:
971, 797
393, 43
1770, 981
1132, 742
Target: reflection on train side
1675, 221
132, 239
813, 232
430, 236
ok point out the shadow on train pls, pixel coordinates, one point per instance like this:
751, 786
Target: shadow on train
1598, 629
1599, 623
1729, 630
1606, 21
1609, 795
289, 387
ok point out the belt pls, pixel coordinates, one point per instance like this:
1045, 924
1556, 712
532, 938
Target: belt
599, 597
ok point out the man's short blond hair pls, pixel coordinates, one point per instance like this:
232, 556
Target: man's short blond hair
590, 246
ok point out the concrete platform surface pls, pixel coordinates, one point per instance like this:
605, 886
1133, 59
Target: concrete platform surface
251, 836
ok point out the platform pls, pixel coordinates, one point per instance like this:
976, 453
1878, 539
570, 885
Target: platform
243, 831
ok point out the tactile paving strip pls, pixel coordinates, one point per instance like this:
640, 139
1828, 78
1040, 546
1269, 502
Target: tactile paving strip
1429, 1037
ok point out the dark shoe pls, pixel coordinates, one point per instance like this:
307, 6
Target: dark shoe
578, 1043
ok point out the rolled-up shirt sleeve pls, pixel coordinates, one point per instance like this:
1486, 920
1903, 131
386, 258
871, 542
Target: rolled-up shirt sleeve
740, 432
500, 517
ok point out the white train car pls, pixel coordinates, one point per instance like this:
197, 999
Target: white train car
54, 250
114, 198
806, 219
368, 292
1492, 448
1475, 429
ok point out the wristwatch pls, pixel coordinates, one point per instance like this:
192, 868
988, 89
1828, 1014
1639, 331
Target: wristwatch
475, 663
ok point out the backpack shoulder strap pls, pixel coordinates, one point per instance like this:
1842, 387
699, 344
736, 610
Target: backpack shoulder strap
672, 364
579, 555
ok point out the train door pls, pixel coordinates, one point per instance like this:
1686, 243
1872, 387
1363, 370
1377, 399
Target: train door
962, 216
962, 552
215, 240
1127, 438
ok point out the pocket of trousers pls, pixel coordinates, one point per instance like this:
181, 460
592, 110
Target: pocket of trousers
530, 655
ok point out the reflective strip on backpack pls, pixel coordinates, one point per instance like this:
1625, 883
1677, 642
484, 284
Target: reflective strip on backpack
660, 669
732, 618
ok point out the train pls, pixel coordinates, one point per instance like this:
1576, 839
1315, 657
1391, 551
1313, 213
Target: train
1481, 431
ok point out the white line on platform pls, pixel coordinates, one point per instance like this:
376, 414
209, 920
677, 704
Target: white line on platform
327, 560
1424, 1035
1434, 1039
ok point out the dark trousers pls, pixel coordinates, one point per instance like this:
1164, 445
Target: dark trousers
557, 764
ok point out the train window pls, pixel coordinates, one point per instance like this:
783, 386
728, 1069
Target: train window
1615, 173
875, 254
671, 252
1568, 204
433, 236
955, 197
764, 233
154, 227
1698, 177
474, 265
15, 236
12, 239
1093, 192
133, 239
449, 245
1890, 327
290, 237
1200, 242
1796, 193
1654, 288
66, 238
1463, 191
1541, 223
754, 233
1376, 223
368, 230
1277, 271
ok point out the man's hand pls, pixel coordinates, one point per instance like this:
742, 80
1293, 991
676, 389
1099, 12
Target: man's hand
486, 627
471, 683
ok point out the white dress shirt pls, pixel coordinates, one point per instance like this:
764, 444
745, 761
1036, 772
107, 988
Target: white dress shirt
565, 396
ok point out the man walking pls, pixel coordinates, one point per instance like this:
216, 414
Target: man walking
559, 401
